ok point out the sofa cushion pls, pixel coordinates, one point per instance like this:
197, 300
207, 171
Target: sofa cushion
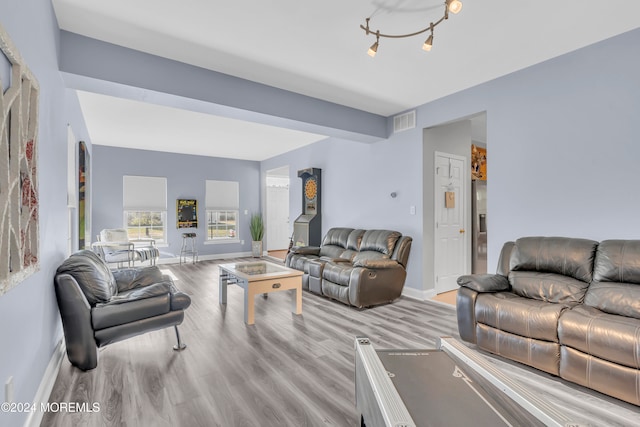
615, 298
606, 336
368, 256
382, 241
298, 261
331, 251
548, 287
355, 239
559, 255
337, 237
92, 275
540, 354
521, 316
618, 261
337, 292
338, 272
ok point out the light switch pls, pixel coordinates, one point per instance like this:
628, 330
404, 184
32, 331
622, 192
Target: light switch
412, 210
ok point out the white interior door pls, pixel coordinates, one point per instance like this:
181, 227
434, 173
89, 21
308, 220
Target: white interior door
277, 217
450, 233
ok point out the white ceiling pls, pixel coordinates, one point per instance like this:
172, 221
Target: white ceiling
317, 48
119, 122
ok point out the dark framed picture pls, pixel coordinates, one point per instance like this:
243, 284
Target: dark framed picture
187, 213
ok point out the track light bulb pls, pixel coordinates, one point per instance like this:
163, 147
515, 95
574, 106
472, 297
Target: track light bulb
373, 49
454, 6
428, 44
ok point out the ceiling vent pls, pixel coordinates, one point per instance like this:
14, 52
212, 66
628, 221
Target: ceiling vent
404, 121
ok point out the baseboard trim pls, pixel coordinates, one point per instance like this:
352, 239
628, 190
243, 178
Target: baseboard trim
418, 294
176, 260
46, 384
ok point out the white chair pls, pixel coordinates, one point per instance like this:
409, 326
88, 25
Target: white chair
114, 246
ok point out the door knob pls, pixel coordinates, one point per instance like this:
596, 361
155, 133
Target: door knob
461, 230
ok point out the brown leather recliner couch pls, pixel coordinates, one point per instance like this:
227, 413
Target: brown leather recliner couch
569, 307
361, 268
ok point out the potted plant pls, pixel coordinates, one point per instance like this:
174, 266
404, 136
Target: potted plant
256, 227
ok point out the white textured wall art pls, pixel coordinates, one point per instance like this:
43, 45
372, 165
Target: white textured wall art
19, 239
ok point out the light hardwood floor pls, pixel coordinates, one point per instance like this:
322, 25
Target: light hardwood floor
448, 297
286, 370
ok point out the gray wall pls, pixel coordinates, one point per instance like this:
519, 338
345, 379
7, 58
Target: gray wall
30, 326
562, 140
186, 176
357, 180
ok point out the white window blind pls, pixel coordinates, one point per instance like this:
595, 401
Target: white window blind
144, 193
221, 195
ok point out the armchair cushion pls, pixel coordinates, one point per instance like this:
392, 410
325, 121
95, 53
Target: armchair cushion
114, 235
93, 276
162, 288
484, 282
122, 311
130, 278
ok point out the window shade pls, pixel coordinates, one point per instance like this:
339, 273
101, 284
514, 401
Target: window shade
144, 193
222, 195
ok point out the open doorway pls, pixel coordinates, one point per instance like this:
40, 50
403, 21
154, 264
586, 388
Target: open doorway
447, 147
278, 212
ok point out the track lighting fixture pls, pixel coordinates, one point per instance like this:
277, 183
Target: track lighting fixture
374, 47
453, 6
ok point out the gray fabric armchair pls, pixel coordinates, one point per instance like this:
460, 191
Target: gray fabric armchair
99, 306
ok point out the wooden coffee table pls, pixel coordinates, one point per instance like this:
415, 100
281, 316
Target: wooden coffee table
260, 277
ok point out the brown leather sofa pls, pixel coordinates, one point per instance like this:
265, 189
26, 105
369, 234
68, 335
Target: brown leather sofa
569, 307
361, 268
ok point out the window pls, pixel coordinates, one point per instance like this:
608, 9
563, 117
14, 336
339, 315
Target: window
145, 207
222, 205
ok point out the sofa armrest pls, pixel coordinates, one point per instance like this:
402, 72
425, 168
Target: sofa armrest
75, 312
484, 282
368, 286
466, 314
376, 263
306, 250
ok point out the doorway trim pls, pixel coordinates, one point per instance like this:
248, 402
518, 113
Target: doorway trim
465, 188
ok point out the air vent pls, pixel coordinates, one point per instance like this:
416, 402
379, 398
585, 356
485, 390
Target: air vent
404, 121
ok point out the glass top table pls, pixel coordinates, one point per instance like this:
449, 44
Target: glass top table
257, 268
260, 277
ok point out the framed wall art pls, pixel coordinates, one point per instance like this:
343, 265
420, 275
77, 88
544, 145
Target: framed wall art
187, 213
19, 202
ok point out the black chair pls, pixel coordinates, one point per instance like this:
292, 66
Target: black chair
99, 306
